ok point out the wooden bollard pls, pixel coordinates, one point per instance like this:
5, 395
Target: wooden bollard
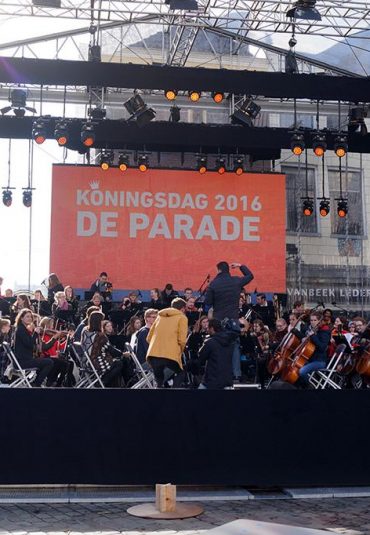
165, 497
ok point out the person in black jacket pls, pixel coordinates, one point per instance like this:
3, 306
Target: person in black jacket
217, 353
223, 294
141, 345
25, 340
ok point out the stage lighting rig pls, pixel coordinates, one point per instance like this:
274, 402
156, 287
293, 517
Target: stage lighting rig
246, 113
202, 163
88, 134
97, 114
304, 9
341, 146
27, 197
297, 143
139, 111
218, 96
106, 160
342, 207
239, 165
194, 95
61, 132
220, 165
143, 163
324, 207
18, 103
7, 196
356, 119
170, 94
307, 206
319, 144
123, 162
39, 130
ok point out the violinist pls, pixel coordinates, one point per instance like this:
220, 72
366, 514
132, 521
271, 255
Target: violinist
197, 337
5, 328
61, 309
192, 312
262, 347
280, 332
319, 334
52, 345
25, 340
73, 301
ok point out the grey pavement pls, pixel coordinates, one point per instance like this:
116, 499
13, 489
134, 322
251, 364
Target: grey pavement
340, 515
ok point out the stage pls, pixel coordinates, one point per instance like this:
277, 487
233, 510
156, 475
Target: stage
141, 437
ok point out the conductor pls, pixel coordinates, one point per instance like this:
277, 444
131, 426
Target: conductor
223, 295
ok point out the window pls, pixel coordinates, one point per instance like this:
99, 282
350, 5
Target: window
295, 189
351, 186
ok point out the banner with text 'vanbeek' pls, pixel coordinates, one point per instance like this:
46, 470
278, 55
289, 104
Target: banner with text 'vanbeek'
147, 229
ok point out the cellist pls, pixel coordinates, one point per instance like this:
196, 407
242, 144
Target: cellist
319, 334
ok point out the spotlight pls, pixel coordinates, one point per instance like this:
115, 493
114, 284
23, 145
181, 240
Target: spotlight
291, 65
220, 165
174, 114
356, 119
342, 208
297, 144
61, 133
304, 9
239, 165
143, 163
245, 113
39, 131
139, 111
202, 164
324, 207
341, 146
88, 134
27, 198
218, 96
7, 197
18, 101
106, 160
123, 162
307, 206
319, 144
194, 95
170, 94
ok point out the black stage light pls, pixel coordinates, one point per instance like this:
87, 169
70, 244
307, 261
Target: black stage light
220, 165
88, 134
239, 165
307, 206
18, 103
106, 160
356, 119
184, 5
291, 65
123, 162
304, 9
297, 144
27, 198
7, 197
39, 130
98, 114
194, 95
218, 96
342, 208
174, 114
143, 163
341, 146
245, 113
202, 164
139, 111
324, 207
319, 144
170, 94
61, 133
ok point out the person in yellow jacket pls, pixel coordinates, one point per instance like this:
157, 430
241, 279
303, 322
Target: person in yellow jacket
167, 339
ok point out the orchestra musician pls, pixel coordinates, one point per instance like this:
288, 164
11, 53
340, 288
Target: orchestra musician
141, 344
319, 334
26, 335
102, 284
54, 285
52, 346
40, 305
155, 299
